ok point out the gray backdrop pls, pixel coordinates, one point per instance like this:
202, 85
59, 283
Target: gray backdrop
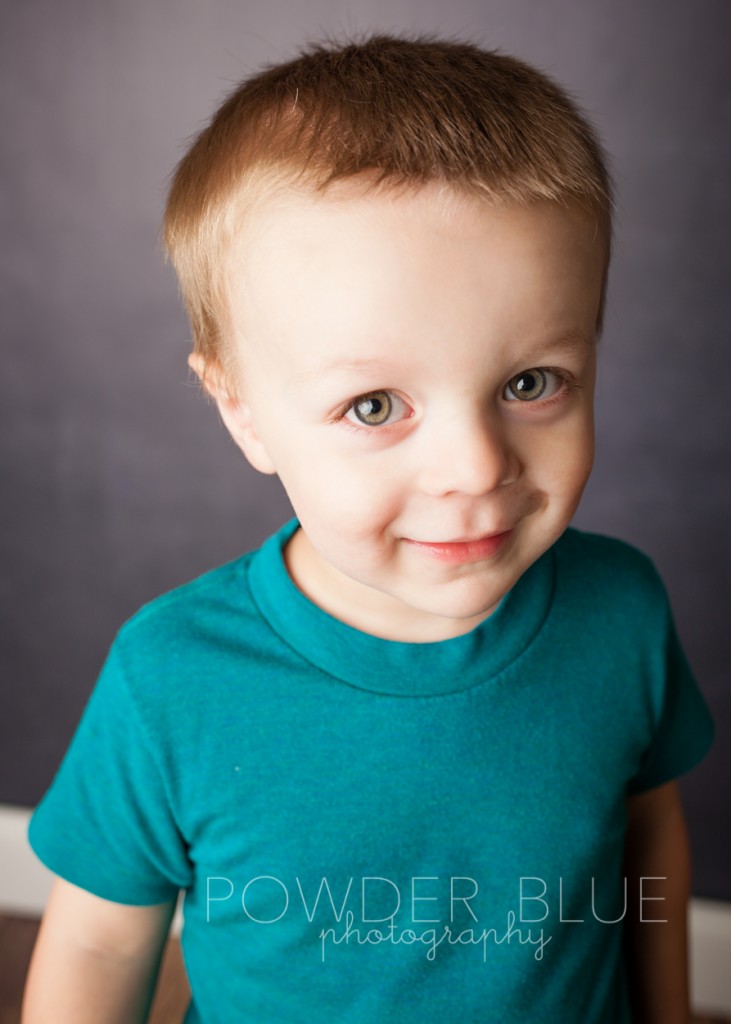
117, 480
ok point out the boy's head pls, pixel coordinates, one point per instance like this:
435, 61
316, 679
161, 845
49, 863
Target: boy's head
390, 112
394, 258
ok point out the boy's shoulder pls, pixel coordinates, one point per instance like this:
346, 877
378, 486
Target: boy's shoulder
594, 565
189, 613
211, 585
603, 549
221, 598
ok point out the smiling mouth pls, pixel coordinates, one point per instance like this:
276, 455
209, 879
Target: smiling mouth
459, 551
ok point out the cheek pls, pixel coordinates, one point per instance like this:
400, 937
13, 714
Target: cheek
348, 495
560, 458
574, 460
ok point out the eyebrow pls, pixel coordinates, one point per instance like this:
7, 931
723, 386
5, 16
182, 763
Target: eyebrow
569, 341
344, 366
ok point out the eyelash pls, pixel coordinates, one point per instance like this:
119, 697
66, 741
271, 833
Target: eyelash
569, 383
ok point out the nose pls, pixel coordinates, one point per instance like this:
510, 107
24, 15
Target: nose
469, 454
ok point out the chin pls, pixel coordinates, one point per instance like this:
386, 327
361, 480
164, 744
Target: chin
460, 607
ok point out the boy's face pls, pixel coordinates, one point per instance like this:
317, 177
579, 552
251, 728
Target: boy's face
418, 369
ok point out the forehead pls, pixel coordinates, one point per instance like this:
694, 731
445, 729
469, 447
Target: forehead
274, 197
353, 269
283, 212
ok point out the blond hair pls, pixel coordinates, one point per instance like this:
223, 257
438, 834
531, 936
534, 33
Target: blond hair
399, 112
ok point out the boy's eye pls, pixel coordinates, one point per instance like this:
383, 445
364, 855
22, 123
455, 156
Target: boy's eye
376, 409
531, 385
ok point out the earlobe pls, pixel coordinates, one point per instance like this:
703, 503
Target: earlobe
239, 422
236, 415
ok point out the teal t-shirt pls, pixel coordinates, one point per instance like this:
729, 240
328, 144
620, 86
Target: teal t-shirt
371, 831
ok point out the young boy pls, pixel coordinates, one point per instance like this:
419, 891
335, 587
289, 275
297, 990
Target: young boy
412, 760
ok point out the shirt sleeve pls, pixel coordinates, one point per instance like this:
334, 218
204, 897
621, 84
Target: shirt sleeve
684, 729
107, 823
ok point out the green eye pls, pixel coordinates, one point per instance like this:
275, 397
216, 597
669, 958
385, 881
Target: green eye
377, 409
373, 409
526, 386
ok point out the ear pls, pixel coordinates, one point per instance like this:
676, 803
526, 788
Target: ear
235, 413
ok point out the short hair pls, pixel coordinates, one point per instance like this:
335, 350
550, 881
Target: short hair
399, 112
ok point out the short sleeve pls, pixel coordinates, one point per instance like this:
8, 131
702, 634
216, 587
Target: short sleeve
683, 730
107, 824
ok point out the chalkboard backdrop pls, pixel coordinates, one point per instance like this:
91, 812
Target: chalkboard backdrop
117, 479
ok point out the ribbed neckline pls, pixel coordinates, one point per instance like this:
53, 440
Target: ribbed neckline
390, 666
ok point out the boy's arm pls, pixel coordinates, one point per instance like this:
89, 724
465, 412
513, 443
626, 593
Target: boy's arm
94, 961
657, 954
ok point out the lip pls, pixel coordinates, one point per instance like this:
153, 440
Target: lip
463, 551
